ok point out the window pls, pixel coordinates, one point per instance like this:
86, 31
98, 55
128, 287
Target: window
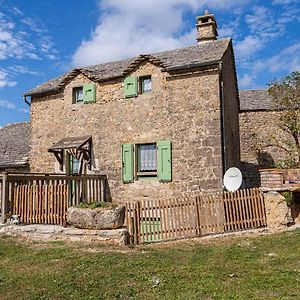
84, 94
78, 94
74, 165
145, 84
133, 86
147, 160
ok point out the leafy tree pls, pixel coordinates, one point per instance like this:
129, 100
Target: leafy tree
286, 98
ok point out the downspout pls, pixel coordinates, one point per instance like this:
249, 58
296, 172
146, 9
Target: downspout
223, 132
26, 101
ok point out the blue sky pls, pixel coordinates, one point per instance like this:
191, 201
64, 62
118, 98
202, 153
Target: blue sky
40, 40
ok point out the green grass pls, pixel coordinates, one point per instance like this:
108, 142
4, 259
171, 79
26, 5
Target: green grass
263, 267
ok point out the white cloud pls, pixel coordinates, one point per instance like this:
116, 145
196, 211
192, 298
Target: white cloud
18, 69
34, 24
230, 29
264, 22
5, 79
248, 46
265, 26
13, 43
287, 60
126, 30
24, 110
16, 39
8, 74
284, 2
246, 81
7, 104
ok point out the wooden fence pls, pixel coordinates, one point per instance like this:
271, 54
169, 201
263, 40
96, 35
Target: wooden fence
162, 220
44, 198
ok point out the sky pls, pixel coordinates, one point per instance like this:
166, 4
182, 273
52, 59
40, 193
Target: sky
40, 40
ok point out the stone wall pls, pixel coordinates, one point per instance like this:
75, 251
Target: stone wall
255, 127
184, 109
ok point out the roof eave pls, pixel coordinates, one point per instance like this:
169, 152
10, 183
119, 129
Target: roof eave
191, 66
14, 165
43, 92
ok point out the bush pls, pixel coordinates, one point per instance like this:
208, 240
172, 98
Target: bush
289, 198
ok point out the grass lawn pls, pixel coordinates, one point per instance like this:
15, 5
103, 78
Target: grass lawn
261, 267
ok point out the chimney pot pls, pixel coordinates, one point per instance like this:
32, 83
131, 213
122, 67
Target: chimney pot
206, 27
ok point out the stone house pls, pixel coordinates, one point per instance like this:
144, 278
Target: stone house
158, 125
258, 121
14, 148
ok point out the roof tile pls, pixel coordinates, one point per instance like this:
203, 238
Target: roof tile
14, 145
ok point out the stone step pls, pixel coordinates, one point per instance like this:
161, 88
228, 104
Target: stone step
118, 236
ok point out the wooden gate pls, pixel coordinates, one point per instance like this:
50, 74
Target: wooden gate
162, 220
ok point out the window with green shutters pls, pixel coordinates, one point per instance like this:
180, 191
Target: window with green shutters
134, 86
152, 160
85, 93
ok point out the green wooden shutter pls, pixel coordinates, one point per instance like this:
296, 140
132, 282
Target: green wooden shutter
89, 93
127, 163
130, 87
164, 161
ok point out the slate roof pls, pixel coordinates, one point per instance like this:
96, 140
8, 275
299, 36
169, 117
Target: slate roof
253, 100
204, 53
14, 145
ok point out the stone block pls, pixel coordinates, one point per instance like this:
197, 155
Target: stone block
96, 218
277, 212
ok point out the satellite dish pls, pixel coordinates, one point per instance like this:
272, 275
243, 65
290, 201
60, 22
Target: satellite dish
232, 179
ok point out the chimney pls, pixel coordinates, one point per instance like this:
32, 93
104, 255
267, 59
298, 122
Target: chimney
206, 28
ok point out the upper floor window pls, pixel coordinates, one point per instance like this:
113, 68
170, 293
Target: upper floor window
145, 84
133, 86
85, 93
78, 94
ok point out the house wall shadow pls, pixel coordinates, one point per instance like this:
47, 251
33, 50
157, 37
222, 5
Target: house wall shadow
250, 170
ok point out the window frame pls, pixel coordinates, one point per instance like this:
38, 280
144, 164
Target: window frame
142, 84
71, 161
144, 174
74, 91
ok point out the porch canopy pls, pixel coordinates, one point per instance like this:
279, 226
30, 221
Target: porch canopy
79, 147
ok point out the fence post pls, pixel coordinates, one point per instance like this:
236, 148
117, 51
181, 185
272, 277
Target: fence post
5, 199
198, 223
103, 189
69, 191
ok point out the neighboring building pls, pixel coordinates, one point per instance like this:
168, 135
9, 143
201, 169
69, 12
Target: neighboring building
258, 123
14, 148
158, 125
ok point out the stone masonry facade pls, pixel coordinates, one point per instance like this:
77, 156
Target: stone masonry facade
182, 108
193, 104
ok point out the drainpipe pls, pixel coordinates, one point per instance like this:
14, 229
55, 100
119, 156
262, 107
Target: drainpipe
222, 106
26, 101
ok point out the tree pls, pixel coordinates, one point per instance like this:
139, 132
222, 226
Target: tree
285, 94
